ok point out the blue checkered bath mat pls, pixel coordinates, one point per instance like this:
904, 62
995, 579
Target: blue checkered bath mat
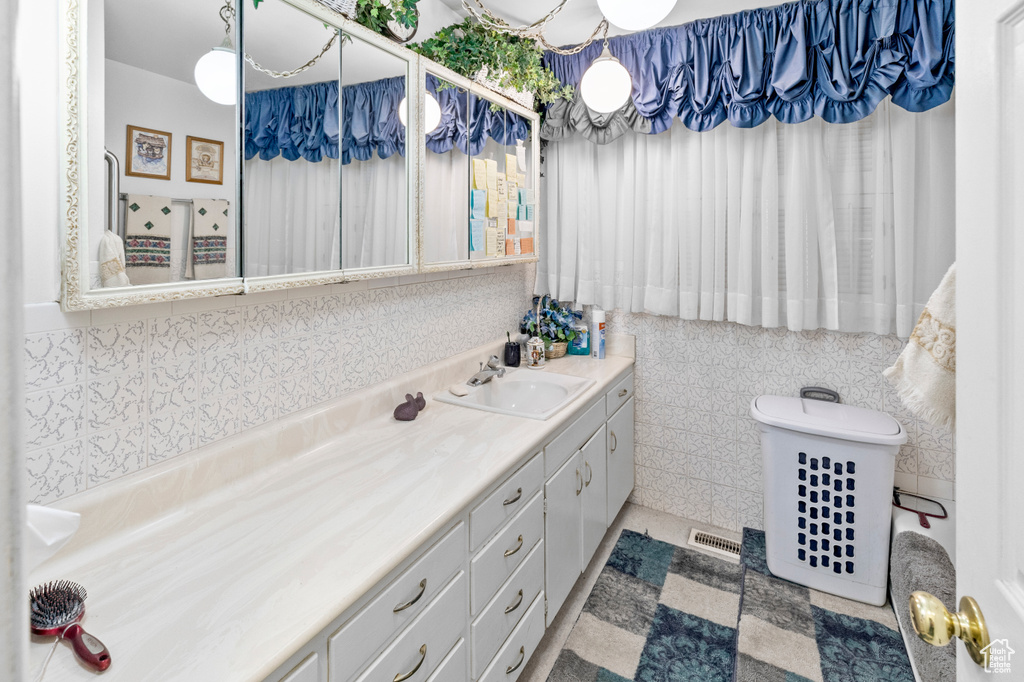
661, 613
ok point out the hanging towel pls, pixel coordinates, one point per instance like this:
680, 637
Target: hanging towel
112, 272
210, 228
147, 246
925, 372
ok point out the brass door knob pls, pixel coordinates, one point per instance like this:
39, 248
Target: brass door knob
937, 626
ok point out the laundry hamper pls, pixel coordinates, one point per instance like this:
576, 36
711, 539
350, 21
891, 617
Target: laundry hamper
828, 475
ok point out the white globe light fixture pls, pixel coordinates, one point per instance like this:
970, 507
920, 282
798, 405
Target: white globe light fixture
606, 85
432, 112
215, 74
632, 15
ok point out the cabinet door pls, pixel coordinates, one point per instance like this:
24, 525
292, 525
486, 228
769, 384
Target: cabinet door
620, 459
563, 548
594, 467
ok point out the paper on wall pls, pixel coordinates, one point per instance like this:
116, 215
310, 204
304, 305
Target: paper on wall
492, 203
492, 173
478, 204
492, 242
476, 235
479, 174
521, 180
521, 156
525, 195
510, 165
526, 245
511, 226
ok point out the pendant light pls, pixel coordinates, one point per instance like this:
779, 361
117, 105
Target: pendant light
606, 85
216, 71
635, 16
431, 112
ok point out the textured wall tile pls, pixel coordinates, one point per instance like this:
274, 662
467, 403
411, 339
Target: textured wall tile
116, 401
326, 313
115, 453
297, 317
259, 404
172, 339
116, 348
262, 322
219, 331
219, 374
54, 415
261, 364
54, 358
56, 471
294, 394
294, 356
218, 418
171, 434
326, 382
173, 387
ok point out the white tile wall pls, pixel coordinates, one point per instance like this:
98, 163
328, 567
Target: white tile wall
112, 392
698, 453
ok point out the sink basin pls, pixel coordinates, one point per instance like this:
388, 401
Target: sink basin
535, 394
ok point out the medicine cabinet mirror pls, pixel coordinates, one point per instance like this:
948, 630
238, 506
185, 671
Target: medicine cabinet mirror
148, 162
480, 161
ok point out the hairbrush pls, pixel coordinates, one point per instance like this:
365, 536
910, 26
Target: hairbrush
56, 608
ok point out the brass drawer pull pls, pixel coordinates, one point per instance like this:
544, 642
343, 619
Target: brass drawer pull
403, 607
580, 479
423, 657
510, 552
512, 607
590, 474
623, 392
615, 442
512, 668
519, 494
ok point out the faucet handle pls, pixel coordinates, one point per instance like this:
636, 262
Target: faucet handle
493, 362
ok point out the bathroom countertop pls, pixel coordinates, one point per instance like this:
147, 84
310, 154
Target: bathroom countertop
221, 564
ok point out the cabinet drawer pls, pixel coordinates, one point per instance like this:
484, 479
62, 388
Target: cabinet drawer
508, 665
500, 617
502, 555
424, 644
369, 630
504, 502
569, 441
455, 666
619, 394
307, 671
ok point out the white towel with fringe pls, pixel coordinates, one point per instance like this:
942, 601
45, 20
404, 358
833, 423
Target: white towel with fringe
147, 244
925, 372
112, 272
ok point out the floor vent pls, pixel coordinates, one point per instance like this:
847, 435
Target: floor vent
714, 543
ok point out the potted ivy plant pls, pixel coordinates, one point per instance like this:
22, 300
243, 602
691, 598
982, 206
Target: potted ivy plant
556, 325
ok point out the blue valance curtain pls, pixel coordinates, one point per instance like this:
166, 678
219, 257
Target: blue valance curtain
836, 59
467, 122
302, 122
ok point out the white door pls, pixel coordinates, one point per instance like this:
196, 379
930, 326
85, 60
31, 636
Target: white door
620, 459
990, 321
563, 548
595, 493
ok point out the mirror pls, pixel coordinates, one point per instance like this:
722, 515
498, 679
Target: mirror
446, 176
292, 165
480, 178
375, 206
161, 159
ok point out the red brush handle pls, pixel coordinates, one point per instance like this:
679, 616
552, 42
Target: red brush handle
89, 650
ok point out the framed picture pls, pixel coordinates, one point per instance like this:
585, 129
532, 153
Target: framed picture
148, 154
205, 160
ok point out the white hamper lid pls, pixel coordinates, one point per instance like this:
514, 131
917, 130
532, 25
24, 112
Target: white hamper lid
828, 419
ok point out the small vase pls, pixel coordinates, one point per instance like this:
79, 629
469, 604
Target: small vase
556, 349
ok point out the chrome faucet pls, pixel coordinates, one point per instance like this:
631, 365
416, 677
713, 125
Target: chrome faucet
488, 372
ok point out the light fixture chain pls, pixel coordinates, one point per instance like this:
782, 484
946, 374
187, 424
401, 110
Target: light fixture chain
601, 28
294, 72
534, 31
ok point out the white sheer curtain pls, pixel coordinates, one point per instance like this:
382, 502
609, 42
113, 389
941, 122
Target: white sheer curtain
446, 220
374, 213
847, 227
291, 216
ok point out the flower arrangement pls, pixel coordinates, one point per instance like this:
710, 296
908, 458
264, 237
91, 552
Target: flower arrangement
556, 321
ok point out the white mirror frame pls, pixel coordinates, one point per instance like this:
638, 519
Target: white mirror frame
76, 292
412, 161
427, 66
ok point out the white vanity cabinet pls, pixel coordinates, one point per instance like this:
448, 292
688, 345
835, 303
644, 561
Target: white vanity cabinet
473, 603
585, 493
